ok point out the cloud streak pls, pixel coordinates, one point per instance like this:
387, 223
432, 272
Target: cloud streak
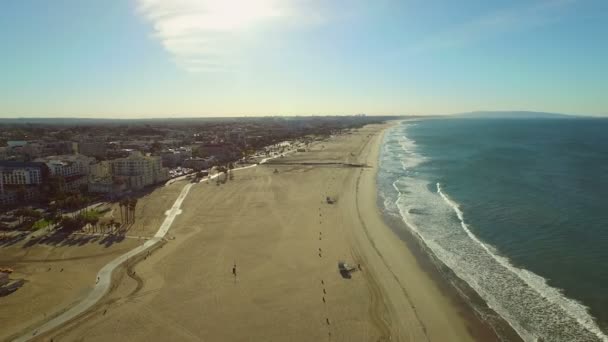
206, 35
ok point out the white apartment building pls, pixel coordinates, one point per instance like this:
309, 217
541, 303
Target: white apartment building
16, 177
68, 165
17, 173
101, 170
138, 171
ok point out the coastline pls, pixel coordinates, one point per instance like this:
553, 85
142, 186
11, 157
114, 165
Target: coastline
487, 281
273, 221
412, 285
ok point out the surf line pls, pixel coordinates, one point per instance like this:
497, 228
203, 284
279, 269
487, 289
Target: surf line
587, 321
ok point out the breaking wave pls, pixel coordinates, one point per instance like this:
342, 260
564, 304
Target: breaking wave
524, 299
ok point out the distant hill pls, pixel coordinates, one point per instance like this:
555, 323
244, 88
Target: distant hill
513, 115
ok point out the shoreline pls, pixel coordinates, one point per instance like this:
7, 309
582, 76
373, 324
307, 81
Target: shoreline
485, 323
512, 320
396, 262
462, 295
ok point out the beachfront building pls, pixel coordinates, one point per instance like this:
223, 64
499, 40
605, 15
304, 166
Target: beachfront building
20, 181
72, 169
100, 170
101, 180
21, 173
138, 171
107, 186
68, 165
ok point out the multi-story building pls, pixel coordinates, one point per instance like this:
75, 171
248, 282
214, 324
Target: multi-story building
100, 178
175, 157
73, 169
20, 181
68, 165
100, 170
138, 171
106, 185
21, 173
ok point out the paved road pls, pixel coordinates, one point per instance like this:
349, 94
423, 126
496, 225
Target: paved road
104, 277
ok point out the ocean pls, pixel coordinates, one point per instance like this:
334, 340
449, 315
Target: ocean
516, 208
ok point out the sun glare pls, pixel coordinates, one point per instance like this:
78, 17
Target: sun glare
225, 15
238, 14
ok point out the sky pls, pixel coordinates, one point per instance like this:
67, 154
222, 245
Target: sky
165, 58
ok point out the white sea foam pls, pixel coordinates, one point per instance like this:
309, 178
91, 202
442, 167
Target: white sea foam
409, 147
538, 283
524, 299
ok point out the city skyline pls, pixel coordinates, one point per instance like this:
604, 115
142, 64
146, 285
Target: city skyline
155, 58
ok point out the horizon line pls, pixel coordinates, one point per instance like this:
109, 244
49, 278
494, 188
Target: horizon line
243, 116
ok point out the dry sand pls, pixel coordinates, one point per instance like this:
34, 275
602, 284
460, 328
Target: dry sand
286, 242
60, 270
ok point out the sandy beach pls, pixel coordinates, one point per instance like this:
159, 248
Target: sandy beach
274, 223
59, 270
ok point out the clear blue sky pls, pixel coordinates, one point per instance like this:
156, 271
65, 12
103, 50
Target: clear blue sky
153, 58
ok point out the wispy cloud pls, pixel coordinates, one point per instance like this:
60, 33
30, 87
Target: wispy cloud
533, 14
206, 35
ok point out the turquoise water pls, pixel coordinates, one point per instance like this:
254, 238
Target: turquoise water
516, 208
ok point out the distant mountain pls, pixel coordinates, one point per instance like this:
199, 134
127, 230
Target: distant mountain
513, 115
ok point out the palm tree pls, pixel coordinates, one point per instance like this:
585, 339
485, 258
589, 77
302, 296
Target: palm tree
128, 209
120, 206
124, 203
20, 212
94, 221
112, 223
132, 205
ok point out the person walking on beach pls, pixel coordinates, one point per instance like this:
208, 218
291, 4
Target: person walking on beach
234, 270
